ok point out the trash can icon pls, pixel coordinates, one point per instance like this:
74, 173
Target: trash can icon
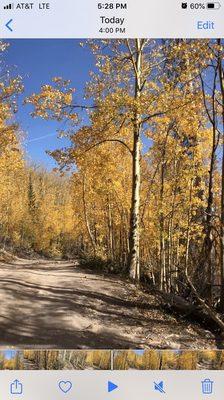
207, 386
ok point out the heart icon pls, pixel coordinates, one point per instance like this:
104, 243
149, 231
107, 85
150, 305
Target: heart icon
65, 386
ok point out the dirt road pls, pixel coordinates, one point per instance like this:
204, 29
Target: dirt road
59, 305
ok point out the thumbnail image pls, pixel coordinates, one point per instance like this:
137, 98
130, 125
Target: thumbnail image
10, 360
111, 360
168, 360
55, 360
112, 194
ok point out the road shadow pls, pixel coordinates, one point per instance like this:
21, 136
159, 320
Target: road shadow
63, 306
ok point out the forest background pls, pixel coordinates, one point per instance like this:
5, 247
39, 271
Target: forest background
139, 153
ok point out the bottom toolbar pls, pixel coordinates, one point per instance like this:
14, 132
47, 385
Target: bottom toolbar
103, 385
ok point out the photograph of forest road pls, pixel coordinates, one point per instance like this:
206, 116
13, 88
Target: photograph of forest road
112, 194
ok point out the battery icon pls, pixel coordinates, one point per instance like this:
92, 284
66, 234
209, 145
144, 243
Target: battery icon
213, 6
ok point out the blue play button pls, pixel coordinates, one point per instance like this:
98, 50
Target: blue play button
111, 387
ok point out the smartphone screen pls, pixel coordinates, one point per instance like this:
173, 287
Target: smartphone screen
111, 200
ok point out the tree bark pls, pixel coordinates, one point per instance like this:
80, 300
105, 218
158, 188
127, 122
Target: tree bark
221, 79
110, 230
163, 274
93, 243
206, 268
134, 259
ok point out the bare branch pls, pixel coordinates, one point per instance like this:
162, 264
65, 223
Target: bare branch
110, 140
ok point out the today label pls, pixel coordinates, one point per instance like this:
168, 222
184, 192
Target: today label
112, 20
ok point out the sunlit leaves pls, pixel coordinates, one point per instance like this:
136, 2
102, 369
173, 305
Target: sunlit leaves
54, 101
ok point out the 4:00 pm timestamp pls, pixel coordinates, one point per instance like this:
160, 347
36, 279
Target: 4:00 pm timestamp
112, 30
112, 6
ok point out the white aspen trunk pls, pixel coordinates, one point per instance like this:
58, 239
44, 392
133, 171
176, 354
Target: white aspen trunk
92, 240
134, 259
110, 230
221, 78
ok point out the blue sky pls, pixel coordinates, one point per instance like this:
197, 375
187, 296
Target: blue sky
37, 61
